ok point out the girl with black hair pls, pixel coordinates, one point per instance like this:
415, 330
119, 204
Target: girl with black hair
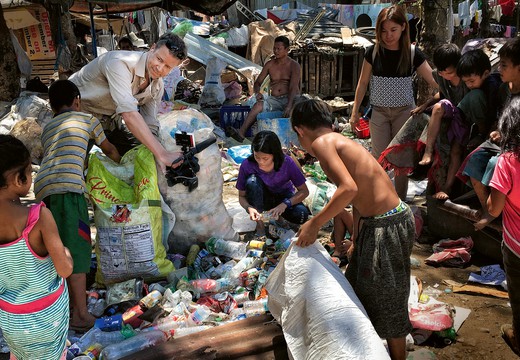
505, 199
33, 265
269, 180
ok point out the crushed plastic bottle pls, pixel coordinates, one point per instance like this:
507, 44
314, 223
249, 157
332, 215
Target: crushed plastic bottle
82, 344
134, 344
232, 249
99, 308
105, 338
198, 316
180, 332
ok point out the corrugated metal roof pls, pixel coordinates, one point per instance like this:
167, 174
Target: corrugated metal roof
201, 50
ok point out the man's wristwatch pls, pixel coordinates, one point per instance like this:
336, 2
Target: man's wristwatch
287, 202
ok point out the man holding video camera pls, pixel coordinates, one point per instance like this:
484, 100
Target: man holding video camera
124, 89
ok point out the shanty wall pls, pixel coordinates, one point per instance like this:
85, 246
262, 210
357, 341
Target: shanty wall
329, 75
269, 4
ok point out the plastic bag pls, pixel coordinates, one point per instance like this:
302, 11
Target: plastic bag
238, 154
132, 221
320, 193
434, 315
213, 93
27, 106
24, 63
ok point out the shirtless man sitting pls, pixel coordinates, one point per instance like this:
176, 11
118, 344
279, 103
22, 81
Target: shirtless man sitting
285, 80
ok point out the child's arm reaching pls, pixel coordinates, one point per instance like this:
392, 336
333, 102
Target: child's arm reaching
59, 254
420, 109
110, 150
496, 202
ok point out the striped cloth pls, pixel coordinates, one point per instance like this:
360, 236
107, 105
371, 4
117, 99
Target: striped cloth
65, 140
34, 301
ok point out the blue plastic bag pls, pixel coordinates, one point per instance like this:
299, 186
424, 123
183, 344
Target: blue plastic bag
239, 153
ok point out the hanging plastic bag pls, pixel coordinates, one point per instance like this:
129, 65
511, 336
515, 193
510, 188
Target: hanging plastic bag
24, 63
213, 93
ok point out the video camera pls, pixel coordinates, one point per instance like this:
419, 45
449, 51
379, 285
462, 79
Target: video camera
186, 173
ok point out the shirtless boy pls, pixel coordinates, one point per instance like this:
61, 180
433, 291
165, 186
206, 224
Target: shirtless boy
384, 228
285, 82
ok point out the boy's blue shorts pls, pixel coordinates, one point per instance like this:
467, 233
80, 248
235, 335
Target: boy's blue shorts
481, 165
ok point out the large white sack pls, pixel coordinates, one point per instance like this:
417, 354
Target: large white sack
321, 316
200, 214
27, 105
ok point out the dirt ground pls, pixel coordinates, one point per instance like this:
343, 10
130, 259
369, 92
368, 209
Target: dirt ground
479, 336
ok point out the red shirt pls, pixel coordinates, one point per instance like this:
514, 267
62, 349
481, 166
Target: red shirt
506, 179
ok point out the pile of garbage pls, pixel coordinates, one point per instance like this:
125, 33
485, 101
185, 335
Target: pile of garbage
219, 283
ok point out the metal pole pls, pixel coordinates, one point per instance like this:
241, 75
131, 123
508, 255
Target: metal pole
110, 30
92, 29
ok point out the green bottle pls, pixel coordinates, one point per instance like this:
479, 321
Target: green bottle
448, 335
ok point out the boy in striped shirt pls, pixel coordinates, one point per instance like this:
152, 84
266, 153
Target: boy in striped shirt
60, 184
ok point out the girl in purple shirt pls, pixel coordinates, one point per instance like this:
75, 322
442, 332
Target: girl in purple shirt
267, 180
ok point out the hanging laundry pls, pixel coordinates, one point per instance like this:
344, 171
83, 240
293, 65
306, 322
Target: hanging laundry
140, 18
508, 7
464, 16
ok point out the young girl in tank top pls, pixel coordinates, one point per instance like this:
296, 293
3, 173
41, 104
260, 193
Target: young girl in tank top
34, 301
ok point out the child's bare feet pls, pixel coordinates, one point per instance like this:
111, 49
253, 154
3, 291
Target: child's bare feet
81, 322
427, 158
484, 221
441, 195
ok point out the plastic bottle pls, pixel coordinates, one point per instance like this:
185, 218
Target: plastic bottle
233, 249
448, 335
168, 324
242, 265
130, 346
92, 299
110, 323
83, 343
266, 216
192, 254
198, 316
105, 338
202, 286
223, 269
190, 330
92, 353
255, 306
99, 308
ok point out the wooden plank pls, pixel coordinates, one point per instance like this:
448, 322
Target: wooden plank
472, 289
44, 69
258, 337
346, 36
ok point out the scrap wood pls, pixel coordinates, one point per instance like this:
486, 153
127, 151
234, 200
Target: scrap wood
346, 36
473, 289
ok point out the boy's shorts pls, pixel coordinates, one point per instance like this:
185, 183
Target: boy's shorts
70, 211
458, 130
479, 164
379, 270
